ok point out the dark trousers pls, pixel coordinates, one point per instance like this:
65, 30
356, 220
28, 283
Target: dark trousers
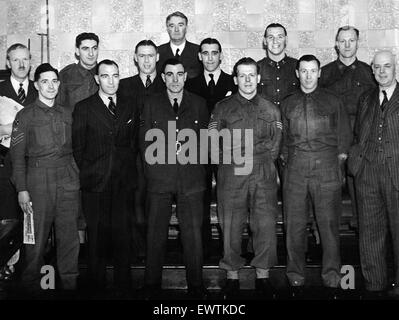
211, 170
54, 194
378, 203
248, 199
189, 214
315, 177
138, 216
108, 229
9, 208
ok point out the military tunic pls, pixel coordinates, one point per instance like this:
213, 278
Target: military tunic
43, 165
316, 130
277, 79
255, 188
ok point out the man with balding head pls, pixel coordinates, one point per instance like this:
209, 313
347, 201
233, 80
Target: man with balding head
374, 161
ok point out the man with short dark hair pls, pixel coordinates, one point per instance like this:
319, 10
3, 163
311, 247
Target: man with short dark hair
77, 84
213, 84
349, 78
47, 181
178, 47
139, 87
168, 178
104, 132
77, 79
277, 70
250, 195
316, 139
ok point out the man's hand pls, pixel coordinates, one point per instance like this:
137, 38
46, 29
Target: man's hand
342, 156
24, 202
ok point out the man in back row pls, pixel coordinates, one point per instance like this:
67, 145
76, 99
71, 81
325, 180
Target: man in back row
178, 47
349, 78
213, 84
77, 83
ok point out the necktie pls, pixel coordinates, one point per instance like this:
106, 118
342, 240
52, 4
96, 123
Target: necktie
21, 93
148, 81
177, 55
211, 85
112, 106
385, 101
175, 105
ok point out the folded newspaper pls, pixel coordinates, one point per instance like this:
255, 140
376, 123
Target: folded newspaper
29, 232
8, 110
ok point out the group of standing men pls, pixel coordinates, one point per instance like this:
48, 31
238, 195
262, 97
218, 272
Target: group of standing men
86, 130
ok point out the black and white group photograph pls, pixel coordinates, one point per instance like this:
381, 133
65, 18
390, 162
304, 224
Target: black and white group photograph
199, 157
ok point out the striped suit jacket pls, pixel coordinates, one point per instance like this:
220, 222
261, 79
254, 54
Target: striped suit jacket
364, 121
104, 146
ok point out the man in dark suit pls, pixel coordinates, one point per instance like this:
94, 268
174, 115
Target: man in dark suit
104, 133
178, 47
19, 88
168, 178
139, 87
349, 78
213, 84
374, 161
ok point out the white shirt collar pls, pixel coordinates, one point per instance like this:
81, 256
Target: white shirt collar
143, 77
15, 84
216, 75
389, 92
175, 47
105, 98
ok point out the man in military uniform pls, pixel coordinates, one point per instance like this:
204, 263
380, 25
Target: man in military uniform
47, 180
170, 178
349, 78
252, 194
77, 79
77, 84
277, 70
316, 139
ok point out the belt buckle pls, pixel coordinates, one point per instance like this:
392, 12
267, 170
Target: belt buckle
178, 147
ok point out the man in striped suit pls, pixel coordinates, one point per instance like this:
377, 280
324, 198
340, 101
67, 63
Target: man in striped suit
374, 161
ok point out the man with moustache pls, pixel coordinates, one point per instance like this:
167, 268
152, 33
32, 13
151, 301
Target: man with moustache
349, 78
250, 195
77, 83
178, 47
104, 136
19, 88
373, 160
139, 87
316, 139
47, 181
174, 180
213, 85
277, 70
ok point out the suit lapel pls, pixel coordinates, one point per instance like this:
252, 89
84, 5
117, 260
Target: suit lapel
10, 90
101, 112
393, 103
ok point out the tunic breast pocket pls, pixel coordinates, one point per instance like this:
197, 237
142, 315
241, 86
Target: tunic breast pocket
296, 122
326, 121
264, 125
41, 133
